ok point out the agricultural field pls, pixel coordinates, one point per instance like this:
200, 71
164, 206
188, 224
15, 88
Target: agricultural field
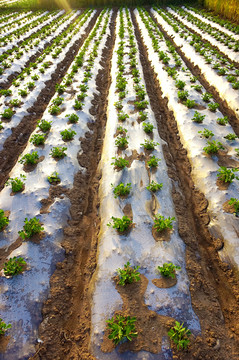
119, 184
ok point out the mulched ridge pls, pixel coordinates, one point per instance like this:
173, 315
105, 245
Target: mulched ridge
213, 288
6, 85
65, 329
17, 141
196, 71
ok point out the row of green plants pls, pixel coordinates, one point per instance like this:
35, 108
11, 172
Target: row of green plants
212, 56
8, 58
17, 19
221, 36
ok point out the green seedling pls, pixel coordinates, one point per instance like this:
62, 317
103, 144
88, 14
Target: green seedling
206, 133
222, 121
81, 96
44, 125
122, 328
206, 97
142, 116
121, 130
73, 118
153, 161
6, 92
14, 266
183, 95
54, 178
128, 275
226, 174
122, 116
60, 89
15, 102
78, 105
38, 139
119, 224
121, 189
4, 221
180, 84
54, 110
1, 126
121, 142
180, 335
58, 101
230, 137
118, 105
149, 144
213, 106
213, 147
141, 105
4, 327
31, 227
22, 92
29, 158
197, 87
120, 163
193, 79
168, 270
189, 103
153, 186
67, 134
35, 77
16, 183
235, 203
148, 128
7, 113
161, 223
58, 152
30, 85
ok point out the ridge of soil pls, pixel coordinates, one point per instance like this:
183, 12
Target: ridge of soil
6, 85
196, 71
17, 141
65, 329
213, 284
235, 63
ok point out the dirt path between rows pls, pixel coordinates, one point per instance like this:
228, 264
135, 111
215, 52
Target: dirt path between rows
65, 330
214, 291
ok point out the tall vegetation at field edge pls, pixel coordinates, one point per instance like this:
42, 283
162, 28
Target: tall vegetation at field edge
229, 8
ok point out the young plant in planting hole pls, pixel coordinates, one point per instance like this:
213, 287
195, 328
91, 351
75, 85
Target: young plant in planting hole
119, 224
118, 105
81, 96
4, 327
35, 77
183, 95
54, 110
148, 128
6, 92
230, 137
198, 118
235, 203
142, 116
235, 85
226, 174
121, 142
149, 144
7, 113
31, 227
73, 118
4, 221
222, 121
15, 102
180, 84
161, 223
168, 270
30, 158
141, 105
122, 116
128, 275
213, 147
60, 89
16, 183
14, 266
58, 101
78, 105
22, 92
58, 152
153, 161
121, 189
30, 85
122, 328
189, 103
206, 133
180, 335
54, 178
67, 134
193, 79
121, 130
120, 163
38, 139
213, 106
44, 125
153, 186
197, 87
206, 97
1, 126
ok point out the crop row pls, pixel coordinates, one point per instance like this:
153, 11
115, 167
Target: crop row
136, 208
205, 133
54, 161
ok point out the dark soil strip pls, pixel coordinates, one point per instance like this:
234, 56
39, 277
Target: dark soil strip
235, 63
17, 141
196, 71
6, 85
65, 329
215, 296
